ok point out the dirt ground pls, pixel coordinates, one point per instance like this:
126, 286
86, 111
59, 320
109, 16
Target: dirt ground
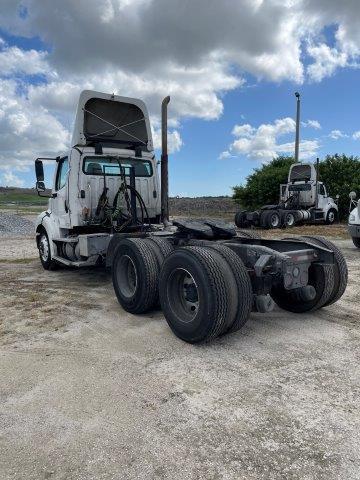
88, 391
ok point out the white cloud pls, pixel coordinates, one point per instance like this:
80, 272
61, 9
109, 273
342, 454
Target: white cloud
312, 124
13, 60
11, 180
326, 61
244, 130
196, 55
336, 134
174, 140
356, 135
26, 130
225, 154
262, 143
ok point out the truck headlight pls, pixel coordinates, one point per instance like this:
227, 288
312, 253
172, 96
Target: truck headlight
351, 217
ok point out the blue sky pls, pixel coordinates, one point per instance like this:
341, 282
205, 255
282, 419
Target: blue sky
232, 88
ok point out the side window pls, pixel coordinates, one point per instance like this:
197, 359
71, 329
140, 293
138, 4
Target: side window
322, 189
61, 175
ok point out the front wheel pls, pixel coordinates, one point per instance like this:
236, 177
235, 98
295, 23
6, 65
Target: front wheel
356, 241
45, 252
330, 217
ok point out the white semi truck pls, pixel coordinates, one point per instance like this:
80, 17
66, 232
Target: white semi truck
354, 219
303, 199
107, 207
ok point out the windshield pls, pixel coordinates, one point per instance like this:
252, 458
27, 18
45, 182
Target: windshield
301, 187
110, 166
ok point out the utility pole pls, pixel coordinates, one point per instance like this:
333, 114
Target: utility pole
297, 137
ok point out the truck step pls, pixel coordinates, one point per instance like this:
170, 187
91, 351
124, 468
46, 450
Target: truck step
66, 239
91, 261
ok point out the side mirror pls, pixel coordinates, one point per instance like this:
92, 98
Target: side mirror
40, 186
352, 195
39, 171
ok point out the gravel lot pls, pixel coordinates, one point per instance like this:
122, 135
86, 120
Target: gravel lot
90, 392
11, 224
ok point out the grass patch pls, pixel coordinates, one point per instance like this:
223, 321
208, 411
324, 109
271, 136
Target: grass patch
21, 198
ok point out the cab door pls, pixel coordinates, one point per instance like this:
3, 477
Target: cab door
59, 200
322, 196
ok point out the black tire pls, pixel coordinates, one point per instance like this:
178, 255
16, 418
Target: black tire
273, 219
265, 221
249, 234
163, 246
45, 252
340, 268
240, 220
356, 241
330, 216
243, 284
199, 310
289, 219
321, 277
135, 275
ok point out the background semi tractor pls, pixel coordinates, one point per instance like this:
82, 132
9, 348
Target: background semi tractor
303, 199
107, 207
354, 219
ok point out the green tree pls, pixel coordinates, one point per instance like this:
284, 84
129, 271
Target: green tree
263, 185
340, 174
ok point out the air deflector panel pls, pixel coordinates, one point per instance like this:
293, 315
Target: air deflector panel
114, 122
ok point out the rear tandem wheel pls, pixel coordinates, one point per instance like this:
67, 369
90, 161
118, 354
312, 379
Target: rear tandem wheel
329, 281
199, 293
135, 275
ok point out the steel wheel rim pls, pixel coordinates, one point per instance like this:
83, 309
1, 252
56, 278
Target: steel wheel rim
184, 295
290, 219
331, 217
274, 220
44, 248
127, 276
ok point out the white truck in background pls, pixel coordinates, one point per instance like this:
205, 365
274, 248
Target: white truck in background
303, 199
354, 219
304, 191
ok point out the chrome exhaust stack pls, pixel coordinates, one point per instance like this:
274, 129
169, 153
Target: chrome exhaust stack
164, 164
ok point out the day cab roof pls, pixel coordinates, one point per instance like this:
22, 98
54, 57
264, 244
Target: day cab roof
112, 121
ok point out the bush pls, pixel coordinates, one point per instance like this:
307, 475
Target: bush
340, 174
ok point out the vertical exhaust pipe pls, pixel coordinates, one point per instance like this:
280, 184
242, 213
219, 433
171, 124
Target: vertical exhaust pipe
164, 163
317, 184
297, 135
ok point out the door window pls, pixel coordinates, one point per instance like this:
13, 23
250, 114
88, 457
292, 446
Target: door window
61, 175
322, 190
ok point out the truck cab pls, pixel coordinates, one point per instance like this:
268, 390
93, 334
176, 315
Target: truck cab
304, 191
111, 146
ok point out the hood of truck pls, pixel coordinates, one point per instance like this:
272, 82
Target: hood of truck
354, 217
111, 120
